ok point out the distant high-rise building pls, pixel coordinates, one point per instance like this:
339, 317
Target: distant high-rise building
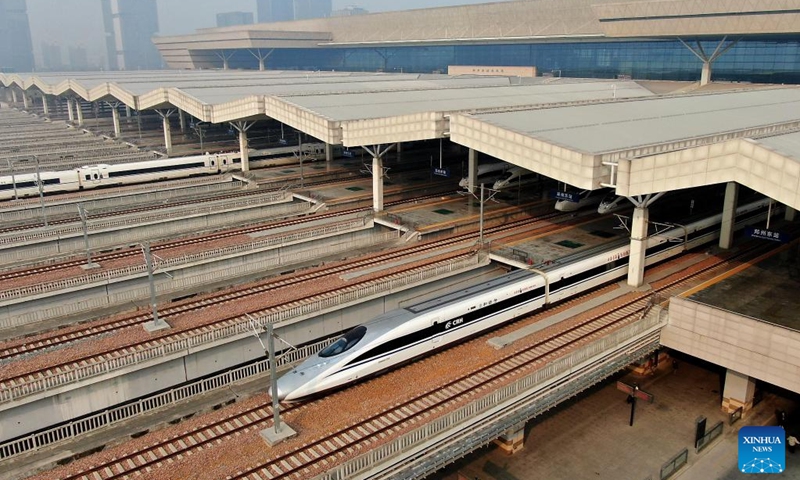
129, 26
51, 57
287, 10
349, 11
78, 59
304, 9
275, 11
229, 19
16, 49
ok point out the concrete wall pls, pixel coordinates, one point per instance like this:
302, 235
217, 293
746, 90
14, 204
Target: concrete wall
760, 350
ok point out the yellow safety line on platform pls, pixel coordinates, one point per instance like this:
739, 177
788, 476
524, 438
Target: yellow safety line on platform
734, 271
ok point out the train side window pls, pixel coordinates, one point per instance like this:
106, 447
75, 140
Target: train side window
213, 163
95, 176
88, 177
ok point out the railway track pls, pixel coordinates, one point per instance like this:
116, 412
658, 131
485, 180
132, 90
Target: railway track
135, 252
150, 208
362, 434
58, 338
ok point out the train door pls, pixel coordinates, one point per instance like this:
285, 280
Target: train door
438, 328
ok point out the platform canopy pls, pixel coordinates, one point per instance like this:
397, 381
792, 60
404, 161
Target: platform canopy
652, 145
336, 107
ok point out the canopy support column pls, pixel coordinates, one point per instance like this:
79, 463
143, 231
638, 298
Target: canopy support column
70, 115
182, 119
26, 101
45, 107
225, 57
639, 234
261, 57
328, 152
242, 127
115, 117
165, 114
699, 52
472, 172
728, 215
127, 113
378, 174
13, 95
79, 111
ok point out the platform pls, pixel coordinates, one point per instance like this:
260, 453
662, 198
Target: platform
766, 290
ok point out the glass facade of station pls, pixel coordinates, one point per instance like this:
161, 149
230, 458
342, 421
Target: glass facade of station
751, 60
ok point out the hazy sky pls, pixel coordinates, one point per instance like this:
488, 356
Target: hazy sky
80, 23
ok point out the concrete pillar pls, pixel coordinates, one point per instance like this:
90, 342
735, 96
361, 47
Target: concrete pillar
728, 215
115, 118
261, 65
738, 392
127, 113
182, 119
638, 246
79, 112
45, 107
26, 101
399, 147
13, 95
512, 441
790, 214
705, 75
328, 152
224, 63
472, 172
377, 184
69, 110
243, 150
167, 134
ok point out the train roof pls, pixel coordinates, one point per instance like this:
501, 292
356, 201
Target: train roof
478, 289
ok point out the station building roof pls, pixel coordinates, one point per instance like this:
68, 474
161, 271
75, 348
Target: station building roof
502, 22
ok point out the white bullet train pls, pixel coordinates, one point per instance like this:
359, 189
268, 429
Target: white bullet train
586, 198
401, 335
94, 176
515, 177
488, 173
612, 203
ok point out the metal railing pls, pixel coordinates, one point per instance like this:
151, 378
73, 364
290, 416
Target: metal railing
114, 415
238, 326
709, 437
276, 240
457, 418
674, 464
180, 282
261, 200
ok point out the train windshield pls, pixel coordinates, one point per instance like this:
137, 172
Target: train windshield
348, 341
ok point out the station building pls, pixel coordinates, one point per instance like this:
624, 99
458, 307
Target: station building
753, 41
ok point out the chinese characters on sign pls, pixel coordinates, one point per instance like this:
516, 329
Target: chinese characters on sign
569, 196
764, 234
442, 172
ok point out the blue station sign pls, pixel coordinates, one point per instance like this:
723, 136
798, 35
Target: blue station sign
442, 172
348, 153
764, 234
568, 196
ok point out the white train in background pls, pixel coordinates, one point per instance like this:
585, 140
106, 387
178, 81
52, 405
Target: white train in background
515, 177
488, 173
103, 175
